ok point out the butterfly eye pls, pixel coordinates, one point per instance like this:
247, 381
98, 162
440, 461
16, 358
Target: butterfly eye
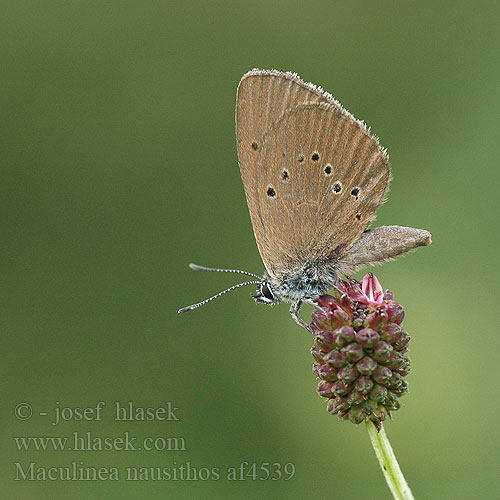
266, 291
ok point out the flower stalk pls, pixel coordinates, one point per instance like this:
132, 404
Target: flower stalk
388, 463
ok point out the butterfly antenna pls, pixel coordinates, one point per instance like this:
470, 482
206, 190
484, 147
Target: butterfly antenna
195, 306
196, 267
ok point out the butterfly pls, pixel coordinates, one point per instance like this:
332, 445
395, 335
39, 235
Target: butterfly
313, 176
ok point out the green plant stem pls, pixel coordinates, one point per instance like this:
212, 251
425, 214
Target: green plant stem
388, 463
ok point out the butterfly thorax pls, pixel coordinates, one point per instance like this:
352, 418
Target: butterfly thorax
309, 281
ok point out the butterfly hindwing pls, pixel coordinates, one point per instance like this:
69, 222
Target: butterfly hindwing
319, 180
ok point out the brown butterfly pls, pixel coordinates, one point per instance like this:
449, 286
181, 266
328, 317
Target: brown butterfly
313, 177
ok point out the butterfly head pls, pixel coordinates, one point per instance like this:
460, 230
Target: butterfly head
265, 294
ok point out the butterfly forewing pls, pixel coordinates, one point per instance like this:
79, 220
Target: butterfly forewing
263, 97
307, 167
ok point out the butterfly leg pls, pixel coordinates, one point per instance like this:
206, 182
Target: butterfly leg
311, 303
294, 312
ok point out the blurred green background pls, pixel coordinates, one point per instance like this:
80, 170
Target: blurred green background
119, 168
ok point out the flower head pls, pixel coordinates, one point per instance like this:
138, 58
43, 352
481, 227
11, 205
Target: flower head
359, 351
